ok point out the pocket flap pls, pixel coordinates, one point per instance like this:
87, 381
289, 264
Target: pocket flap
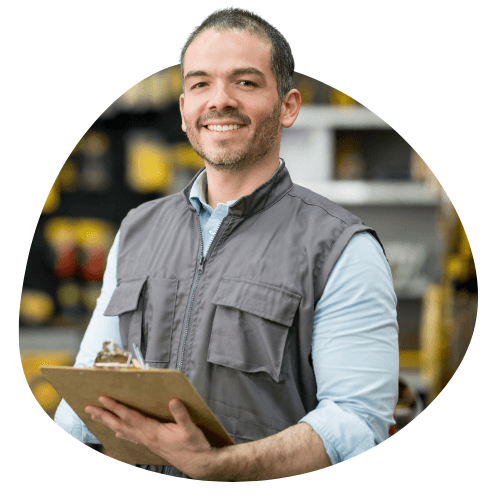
267, 301
126, 296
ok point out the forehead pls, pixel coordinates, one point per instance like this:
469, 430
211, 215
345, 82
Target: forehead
226, 50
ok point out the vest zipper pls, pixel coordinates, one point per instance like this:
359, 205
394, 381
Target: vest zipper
194, 288
187, 321
167, 469
199, 272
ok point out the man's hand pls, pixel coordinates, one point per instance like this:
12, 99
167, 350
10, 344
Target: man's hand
295, 450
182, 443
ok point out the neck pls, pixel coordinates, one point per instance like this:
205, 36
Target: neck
226, 185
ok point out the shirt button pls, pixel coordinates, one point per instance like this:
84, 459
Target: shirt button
211, 231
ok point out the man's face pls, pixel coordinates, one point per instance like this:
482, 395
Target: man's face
230, 109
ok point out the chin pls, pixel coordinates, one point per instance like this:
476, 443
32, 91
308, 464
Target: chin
224, 161
226, 164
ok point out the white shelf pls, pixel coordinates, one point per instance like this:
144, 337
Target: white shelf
381, 193
50, 339
326, 116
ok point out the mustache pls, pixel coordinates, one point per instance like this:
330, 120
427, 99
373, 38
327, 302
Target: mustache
232, 114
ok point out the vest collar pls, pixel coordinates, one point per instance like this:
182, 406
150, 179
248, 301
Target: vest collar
263, 197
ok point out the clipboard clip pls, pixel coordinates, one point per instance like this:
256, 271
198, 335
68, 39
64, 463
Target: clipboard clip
112, 356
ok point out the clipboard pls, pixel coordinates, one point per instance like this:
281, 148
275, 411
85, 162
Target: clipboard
145, 390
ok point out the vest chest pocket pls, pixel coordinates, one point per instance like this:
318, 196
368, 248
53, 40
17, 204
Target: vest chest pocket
146, 308
251, 325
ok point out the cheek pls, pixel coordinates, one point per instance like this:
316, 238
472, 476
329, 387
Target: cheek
189, 119
260, 116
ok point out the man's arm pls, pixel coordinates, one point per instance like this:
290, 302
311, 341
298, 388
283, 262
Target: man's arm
295, 450
100, 329
355, 352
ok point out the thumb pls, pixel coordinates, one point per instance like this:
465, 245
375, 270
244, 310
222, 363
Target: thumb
180, 414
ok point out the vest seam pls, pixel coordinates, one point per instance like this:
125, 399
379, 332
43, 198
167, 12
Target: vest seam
293, 295
318, 206
255, 312
250, 364
320, 268
318, 271
232, 434
246, 421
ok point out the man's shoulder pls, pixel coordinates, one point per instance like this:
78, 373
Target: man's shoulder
322, 206
158, 207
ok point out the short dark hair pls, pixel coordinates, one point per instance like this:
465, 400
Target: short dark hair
282, 63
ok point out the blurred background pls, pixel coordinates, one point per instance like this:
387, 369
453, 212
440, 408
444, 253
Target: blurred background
136, 152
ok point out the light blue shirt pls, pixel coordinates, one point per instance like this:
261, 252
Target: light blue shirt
354, 342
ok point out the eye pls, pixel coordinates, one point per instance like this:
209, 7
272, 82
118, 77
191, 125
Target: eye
199, 85
247, 83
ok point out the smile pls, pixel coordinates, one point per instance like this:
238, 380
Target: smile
223, 128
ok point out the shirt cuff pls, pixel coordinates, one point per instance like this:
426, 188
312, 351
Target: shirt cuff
67, 419
344, 434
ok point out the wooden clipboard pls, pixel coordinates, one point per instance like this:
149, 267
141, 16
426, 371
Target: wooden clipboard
147, 391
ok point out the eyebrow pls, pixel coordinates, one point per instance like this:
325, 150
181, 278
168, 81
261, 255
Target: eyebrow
236, 72
248, 71
192, 74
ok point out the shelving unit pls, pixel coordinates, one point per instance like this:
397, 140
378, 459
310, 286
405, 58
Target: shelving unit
310, 138
373, 193
404, 213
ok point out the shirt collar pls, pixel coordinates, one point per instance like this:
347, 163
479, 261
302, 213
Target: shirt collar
197, 188
197, 193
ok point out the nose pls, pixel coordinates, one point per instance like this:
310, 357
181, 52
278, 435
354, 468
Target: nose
221, 98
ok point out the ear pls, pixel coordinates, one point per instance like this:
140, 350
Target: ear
181, 106
290, 107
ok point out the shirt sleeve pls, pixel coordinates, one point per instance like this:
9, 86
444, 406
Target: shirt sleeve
100, 329
355, 352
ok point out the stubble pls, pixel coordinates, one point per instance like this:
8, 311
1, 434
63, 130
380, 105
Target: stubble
233, 158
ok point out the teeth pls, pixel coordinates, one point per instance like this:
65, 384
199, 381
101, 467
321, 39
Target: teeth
223, 128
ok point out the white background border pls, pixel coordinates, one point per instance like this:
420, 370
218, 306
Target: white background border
426, 68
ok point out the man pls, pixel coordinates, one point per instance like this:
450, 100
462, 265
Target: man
276, 303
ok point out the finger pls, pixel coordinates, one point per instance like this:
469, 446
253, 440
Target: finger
104, 417
132, 425
118, 409
130, 418
112, 421
120, 435
180, 414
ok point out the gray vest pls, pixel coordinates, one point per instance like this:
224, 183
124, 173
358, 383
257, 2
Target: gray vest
239, 322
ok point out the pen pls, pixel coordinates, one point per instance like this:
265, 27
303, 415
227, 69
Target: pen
139, 357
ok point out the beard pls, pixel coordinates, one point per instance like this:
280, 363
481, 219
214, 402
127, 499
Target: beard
237, 158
